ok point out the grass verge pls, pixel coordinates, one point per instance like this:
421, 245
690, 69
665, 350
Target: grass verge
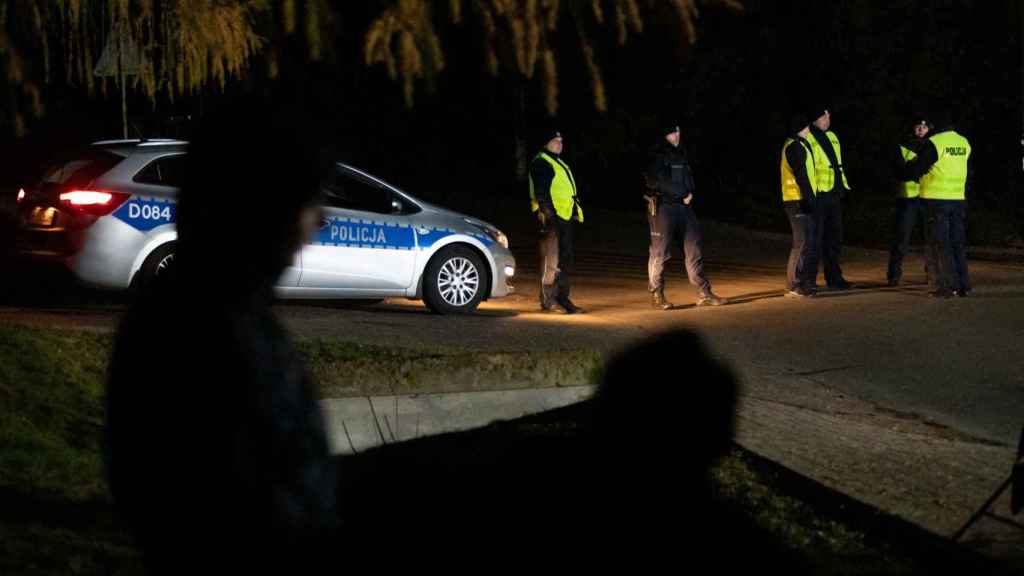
57, 519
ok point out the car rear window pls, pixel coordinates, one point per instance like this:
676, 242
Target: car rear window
81, 168
165, 171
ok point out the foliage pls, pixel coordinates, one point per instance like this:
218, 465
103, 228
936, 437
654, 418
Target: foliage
184, 46
519, 37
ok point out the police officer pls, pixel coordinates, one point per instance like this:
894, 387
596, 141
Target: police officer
942, 169
832, 186
554, 201
670, 185
798, 200
908, 209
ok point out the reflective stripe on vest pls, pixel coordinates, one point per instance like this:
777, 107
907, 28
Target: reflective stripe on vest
790, 189
947, 178
909, 189
823, 168
563, 190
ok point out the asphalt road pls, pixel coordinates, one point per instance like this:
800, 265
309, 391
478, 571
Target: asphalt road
957, 363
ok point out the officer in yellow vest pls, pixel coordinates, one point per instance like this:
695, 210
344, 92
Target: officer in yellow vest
832, 186
908, 191
798, 200
556, 205
942, 170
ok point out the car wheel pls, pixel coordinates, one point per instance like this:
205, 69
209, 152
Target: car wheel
158, 262
454, 281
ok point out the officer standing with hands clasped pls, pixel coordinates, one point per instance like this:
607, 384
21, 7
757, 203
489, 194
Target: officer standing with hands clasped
670, 192
799, 189
554, 201
831, 188
908, 194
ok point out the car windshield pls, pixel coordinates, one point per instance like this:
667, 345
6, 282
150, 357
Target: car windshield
79, 169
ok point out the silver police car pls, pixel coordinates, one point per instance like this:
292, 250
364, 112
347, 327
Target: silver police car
108, 213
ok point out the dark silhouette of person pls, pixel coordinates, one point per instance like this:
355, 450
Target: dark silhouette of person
621, 477
215, 445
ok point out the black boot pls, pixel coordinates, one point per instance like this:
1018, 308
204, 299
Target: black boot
658, 300
568, 306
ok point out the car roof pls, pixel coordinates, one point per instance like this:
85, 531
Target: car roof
130, 146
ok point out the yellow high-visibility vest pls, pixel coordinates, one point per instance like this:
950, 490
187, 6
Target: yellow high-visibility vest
823, 168
790, 189
947, 178
563, 190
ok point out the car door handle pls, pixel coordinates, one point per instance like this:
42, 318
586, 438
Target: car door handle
324, 223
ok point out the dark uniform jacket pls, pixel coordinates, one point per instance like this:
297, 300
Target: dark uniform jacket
668, 173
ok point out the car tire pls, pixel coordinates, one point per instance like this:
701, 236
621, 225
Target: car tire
454, 281
158, 262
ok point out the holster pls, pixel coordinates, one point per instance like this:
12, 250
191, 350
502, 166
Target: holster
652, 204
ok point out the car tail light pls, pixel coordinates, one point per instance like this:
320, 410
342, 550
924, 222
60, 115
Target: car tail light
93, 202
21, 195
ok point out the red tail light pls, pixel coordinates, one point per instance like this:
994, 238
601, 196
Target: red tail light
93, 202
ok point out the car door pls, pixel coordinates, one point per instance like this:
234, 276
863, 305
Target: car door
366, 244
154, 191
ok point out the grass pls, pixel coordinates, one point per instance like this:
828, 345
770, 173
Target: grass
346, 369
57, 518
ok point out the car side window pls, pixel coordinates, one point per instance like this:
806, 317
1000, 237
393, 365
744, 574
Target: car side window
166, 171
351, 192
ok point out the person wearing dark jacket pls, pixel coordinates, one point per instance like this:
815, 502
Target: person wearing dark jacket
554, 201
215, 447
798, 200
908, 210
943, 170
670, 190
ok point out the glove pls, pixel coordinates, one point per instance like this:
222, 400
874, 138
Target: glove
688, 199
545, 217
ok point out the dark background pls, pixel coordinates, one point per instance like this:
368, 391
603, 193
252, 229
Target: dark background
875, 64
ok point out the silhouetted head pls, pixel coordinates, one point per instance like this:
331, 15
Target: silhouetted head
252, 175
667, 397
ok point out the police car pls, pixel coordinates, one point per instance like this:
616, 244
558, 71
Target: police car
108, 213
